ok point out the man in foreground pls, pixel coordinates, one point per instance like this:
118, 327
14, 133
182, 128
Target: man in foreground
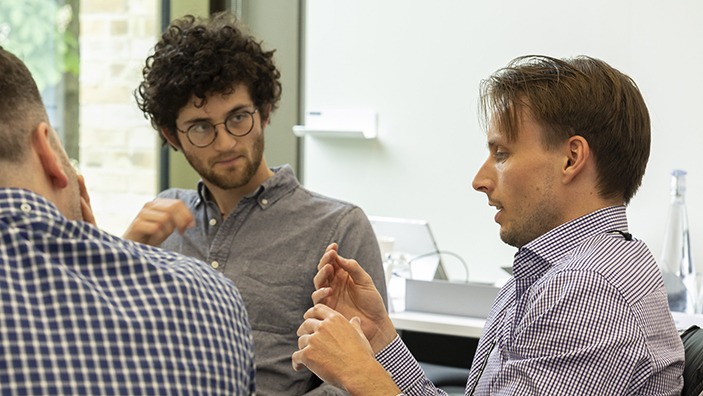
84, 312
586, 311
210, 89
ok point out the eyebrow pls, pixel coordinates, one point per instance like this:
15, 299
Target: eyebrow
233, 110
491, 143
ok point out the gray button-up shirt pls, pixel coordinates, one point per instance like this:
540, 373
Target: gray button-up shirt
270, 246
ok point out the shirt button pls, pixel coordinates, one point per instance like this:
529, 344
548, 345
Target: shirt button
213, 222
26, 208
215, 265
264, 201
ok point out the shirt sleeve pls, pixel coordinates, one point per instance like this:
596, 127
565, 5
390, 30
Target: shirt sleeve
579, 331
405, 370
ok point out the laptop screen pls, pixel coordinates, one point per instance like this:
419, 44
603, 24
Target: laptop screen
413, 240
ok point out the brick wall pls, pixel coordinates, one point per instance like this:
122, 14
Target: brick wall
117, 144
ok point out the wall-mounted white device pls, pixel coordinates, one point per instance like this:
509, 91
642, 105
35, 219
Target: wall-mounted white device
352, 123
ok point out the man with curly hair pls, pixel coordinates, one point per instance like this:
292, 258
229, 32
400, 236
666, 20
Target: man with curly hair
210, 90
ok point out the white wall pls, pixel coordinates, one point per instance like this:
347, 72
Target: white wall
419, 64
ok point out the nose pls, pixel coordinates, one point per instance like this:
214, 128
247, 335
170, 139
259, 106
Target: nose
482, 182
223, 139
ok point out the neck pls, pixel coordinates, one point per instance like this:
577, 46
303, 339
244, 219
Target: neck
227, 199
587, 202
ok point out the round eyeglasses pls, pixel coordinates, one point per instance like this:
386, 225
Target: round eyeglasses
203, 133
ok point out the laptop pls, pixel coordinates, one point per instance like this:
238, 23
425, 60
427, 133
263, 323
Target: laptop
471, 299
414, 242
428, 289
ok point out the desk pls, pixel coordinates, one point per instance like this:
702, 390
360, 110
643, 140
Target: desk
438, 324
459, 326
683, 321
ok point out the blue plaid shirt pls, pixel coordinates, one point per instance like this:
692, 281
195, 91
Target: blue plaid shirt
585, 314
84, 312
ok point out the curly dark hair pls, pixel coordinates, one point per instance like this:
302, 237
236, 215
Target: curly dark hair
202, 57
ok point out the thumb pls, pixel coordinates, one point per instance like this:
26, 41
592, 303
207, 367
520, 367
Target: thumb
353, 269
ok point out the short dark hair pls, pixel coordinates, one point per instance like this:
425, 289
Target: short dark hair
21, 107
576, 96
202, 57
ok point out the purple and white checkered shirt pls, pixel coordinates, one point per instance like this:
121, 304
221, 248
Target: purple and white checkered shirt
84, 312
585, 314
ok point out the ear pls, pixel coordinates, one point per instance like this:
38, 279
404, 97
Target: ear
174, 145
265, 121
578, 153
50, 161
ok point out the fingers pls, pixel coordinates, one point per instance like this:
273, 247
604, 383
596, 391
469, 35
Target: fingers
352, 267
297, 360
158, 219
318, 312
86, 209
307, 327
177, 212
310, 330
319, 295
328, 344
313, 319
332, 247
324, 276
330, 260
87, 212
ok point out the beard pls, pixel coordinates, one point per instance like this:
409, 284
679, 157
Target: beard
530, 227
532, 221
231, 177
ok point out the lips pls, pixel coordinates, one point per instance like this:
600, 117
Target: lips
227, 161
496, 218
499, 208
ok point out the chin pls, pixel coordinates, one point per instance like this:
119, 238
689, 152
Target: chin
510, 239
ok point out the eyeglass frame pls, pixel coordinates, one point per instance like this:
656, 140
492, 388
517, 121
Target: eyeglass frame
216, 129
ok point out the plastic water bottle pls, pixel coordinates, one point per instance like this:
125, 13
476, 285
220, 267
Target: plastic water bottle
676, 263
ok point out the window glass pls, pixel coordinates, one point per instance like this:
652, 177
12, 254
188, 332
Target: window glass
87, 56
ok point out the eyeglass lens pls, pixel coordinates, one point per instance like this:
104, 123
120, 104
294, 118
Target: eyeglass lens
238, 124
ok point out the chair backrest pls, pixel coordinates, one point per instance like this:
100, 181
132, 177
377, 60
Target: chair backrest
693, 369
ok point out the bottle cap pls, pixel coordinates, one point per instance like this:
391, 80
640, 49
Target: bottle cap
678, 182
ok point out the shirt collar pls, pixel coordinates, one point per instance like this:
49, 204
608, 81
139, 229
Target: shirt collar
15, 201
271, 190
536, 257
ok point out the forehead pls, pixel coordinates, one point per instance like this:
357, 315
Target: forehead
524, 129
216, 103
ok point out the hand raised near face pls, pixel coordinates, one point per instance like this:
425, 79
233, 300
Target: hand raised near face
158, 219
86, 209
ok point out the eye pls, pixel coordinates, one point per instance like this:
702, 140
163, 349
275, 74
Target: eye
500, 154
237, 118
200, 128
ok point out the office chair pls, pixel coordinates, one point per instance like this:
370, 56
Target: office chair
450, 379
693, 369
